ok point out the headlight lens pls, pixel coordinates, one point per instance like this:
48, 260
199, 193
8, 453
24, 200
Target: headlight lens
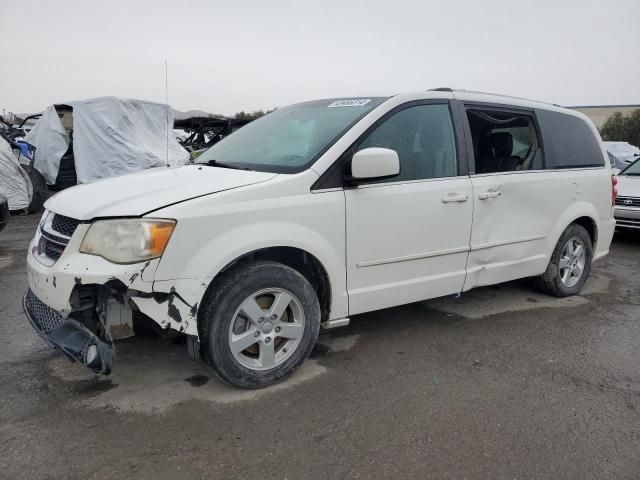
44, 217
128, 240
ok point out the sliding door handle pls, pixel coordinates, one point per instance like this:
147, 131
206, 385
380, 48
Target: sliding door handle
455, 197
489, 194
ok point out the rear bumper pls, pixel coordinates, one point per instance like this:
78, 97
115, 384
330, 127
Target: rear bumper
606, 228
68, 336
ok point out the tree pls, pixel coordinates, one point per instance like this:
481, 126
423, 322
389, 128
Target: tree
623, 128
251, 115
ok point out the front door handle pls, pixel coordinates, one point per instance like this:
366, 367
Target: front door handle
489, 194
455, 197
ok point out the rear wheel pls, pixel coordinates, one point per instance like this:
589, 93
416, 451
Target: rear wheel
259, 324
570, 263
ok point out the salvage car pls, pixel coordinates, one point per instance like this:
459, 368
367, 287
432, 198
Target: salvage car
17, 181
87, 140
317, 212
624, 152
201, 133
627, 209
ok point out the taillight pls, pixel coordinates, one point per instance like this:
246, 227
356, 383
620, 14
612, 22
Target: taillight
614, 190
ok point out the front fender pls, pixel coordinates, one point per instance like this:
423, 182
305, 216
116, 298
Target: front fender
202, 246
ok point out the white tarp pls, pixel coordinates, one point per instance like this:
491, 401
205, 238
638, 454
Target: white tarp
113, 136
51, 142
14, 181
623, 150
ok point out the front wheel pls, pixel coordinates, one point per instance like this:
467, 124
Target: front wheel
259, 324
570, 263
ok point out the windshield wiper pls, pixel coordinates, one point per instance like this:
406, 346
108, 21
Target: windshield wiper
217, 163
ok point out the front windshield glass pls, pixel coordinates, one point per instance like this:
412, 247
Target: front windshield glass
289, 139
633, 169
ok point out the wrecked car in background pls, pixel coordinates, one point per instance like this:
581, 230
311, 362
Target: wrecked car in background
21, 183
621, 154
316, 212
15, 184
199, 133
87, 140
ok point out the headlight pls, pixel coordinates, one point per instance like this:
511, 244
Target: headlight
128, 240
44, 217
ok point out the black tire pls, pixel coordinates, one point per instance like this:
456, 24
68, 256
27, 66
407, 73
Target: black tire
39, 190
221, 304
550, 281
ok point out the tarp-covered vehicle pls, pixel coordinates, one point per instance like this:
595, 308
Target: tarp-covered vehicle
22, 184
621, 154
87, 140
15, 184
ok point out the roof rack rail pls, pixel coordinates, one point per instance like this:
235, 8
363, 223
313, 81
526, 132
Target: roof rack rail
463, 90
504, 96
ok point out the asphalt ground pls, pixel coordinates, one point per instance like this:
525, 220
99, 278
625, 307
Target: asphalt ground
502, 383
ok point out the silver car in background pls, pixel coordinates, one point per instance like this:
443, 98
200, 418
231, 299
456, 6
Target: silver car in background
627, 204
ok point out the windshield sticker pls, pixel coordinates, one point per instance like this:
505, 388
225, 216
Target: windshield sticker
350, 103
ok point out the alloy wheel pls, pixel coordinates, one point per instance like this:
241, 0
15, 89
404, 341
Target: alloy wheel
266, 329
572, 262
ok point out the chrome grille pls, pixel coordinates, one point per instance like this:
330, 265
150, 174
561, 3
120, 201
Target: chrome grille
628, 201
64, 225
56, 232
45, 317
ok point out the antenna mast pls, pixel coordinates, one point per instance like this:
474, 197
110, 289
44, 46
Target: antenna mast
166, 98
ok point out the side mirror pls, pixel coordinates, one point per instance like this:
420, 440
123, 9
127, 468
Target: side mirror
374, 163
615, 171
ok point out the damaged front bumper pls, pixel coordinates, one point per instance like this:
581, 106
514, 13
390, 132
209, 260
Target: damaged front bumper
63, 283
68, 336
80, 303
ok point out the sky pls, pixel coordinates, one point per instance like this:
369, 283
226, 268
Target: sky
227, 56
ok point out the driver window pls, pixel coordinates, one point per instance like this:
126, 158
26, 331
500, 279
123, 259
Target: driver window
423, 138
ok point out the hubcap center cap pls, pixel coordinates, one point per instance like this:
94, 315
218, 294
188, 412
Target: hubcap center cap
267, 327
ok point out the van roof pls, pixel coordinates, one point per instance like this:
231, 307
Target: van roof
476, 96
465, 94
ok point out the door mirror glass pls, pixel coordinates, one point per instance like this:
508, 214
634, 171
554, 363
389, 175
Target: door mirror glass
374, 163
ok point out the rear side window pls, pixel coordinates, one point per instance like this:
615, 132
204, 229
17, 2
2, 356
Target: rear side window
568, 141
504, 141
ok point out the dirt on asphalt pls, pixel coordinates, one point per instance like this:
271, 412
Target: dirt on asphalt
502, 383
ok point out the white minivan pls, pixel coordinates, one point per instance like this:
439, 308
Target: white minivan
317, 212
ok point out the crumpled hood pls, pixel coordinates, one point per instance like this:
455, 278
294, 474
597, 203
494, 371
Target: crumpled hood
139, 193
628, 186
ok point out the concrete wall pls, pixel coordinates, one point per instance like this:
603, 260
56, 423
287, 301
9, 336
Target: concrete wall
599, 114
